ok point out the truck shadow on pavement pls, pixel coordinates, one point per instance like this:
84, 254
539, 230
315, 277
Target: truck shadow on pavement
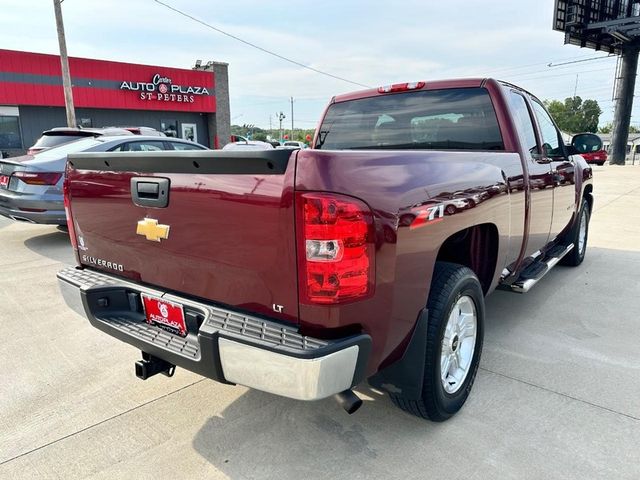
54, 245
265, 436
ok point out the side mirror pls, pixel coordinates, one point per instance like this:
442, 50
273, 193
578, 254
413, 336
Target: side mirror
586, 143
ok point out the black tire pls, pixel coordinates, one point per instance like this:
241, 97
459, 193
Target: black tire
576, 255
450, 282
600, 164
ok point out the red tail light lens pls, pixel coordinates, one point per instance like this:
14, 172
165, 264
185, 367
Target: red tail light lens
38, 178
336, 251
67, 211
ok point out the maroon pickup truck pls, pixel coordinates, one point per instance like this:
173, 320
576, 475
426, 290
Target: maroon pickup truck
366, 257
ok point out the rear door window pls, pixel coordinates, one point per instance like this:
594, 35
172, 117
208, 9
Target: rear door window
551, 140
184, 146
524, 124
450, 119
143, 146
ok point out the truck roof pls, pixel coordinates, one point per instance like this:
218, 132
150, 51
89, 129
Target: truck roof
429, 85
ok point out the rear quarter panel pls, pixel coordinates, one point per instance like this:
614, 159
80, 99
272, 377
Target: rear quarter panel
395, 185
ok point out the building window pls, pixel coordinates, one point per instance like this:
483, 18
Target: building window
85, 123
10, 132
169, 127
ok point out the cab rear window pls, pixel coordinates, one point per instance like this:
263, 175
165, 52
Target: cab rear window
449, 119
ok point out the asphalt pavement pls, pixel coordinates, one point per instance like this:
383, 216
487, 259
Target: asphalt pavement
557, 395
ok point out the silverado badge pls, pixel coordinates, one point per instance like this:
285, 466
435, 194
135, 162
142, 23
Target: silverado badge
151, 230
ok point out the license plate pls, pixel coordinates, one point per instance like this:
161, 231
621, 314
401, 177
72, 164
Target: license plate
166, 315
4, 181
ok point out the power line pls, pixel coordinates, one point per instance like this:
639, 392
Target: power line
558, 75
281, 57
552, 65
539, 64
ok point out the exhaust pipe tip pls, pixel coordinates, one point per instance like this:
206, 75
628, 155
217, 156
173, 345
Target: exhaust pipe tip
349, 401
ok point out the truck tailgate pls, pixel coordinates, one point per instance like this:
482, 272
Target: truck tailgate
228, 222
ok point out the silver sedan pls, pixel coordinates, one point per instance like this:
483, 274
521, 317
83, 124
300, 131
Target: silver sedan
31, 185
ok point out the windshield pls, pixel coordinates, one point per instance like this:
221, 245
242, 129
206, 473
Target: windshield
451, 119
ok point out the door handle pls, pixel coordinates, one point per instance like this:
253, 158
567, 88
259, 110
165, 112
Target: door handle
150, 191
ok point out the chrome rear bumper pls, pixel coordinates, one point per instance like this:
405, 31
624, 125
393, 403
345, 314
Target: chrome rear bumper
221, 344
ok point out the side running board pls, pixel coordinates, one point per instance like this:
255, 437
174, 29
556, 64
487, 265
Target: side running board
538, 269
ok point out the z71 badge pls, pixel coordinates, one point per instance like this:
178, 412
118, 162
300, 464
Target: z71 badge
426, 215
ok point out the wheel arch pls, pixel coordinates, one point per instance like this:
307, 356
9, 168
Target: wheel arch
474, 247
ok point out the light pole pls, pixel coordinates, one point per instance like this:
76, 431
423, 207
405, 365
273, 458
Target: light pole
281, 117
291, 138
64, 62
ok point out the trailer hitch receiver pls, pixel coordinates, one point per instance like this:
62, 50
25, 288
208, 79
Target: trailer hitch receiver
150, 366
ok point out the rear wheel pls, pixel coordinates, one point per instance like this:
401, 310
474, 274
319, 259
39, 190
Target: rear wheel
454, 343
578, 235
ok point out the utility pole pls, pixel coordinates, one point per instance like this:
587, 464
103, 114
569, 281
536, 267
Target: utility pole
291, 119
625, 85
64, 61
281, 117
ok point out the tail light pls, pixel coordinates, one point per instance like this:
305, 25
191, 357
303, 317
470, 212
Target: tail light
336, 251
67, 211
39, 178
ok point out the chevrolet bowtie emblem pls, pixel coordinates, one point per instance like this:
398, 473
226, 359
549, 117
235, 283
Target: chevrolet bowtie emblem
151, 230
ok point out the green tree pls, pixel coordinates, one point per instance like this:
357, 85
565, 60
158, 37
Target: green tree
260, 136
608, 128
574, 115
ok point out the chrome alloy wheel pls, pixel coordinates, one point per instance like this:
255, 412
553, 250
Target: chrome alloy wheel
458, 344
582, 233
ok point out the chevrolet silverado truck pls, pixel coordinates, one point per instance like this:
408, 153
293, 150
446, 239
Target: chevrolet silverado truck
366, 257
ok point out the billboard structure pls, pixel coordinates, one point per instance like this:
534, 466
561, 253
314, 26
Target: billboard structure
611, 26
605, 25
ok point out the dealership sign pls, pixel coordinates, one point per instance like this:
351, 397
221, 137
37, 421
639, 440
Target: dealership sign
162, 89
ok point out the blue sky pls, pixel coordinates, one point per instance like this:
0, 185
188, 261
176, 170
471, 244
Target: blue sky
370, 42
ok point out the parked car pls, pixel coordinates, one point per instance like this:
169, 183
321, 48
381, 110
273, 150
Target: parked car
599, 157
31, 185
593, 150
305, 272
293, 144
60, 135
248, 145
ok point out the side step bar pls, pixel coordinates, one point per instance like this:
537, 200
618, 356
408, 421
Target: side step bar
538, 269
